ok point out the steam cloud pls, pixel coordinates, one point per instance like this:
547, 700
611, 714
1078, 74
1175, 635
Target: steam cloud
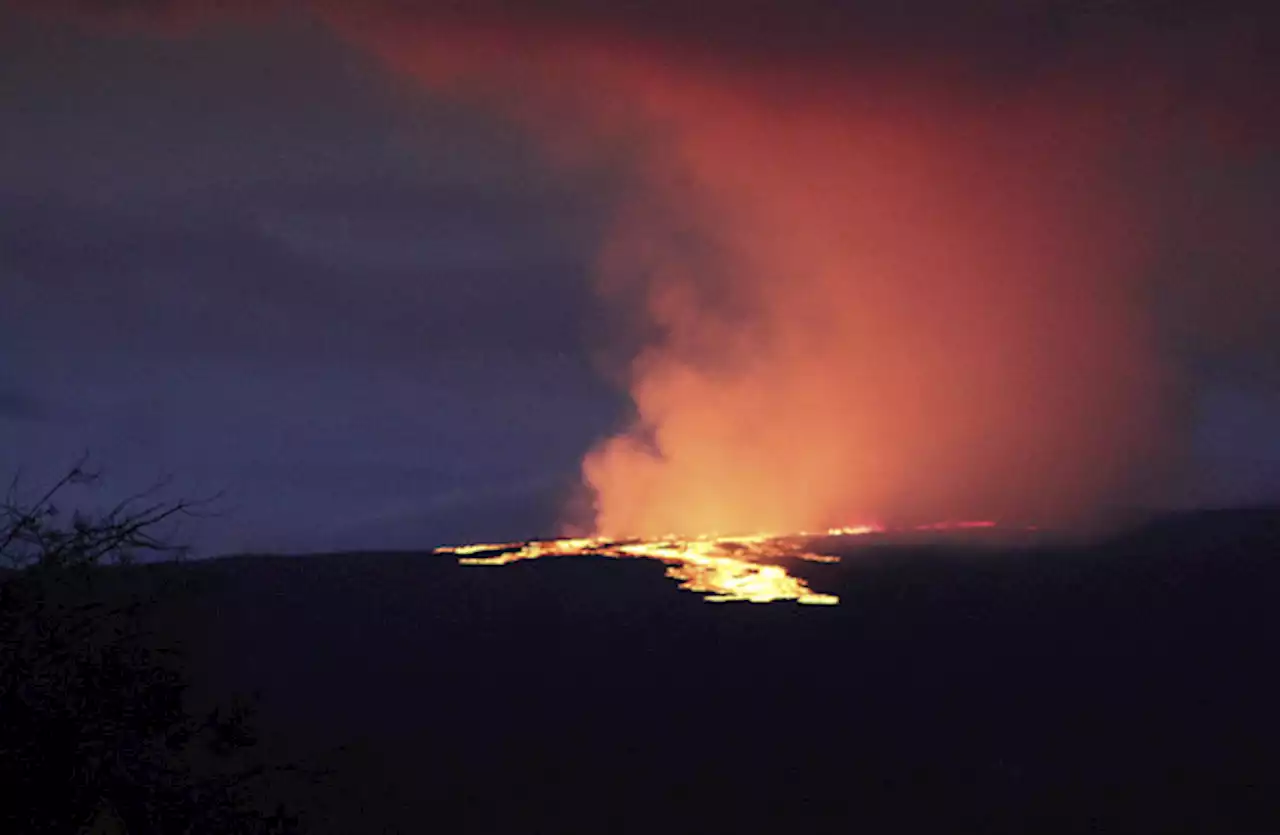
887, 267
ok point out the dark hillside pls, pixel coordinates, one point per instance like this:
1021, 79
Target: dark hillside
1127, 686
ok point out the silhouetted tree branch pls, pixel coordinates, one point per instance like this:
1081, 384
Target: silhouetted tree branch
94, 721
39, 534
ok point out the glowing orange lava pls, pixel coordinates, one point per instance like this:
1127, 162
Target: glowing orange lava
724, 568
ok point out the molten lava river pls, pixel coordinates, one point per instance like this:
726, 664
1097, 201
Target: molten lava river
724, 568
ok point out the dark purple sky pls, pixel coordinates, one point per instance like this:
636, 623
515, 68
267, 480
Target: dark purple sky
251, 258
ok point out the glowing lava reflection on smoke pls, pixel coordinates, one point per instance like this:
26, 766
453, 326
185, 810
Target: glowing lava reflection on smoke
724, 568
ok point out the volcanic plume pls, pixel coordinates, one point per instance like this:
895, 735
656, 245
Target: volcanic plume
857, 295
868, 262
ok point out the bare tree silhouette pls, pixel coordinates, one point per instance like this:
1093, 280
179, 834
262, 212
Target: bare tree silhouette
96, 734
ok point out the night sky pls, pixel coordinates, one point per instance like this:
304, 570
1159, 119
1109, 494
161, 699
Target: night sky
254, 262
244, 248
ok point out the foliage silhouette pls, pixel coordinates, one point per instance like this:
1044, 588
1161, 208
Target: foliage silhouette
97, 735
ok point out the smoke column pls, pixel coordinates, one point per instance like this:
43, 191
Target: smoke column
872, 278
865, 298
919, 308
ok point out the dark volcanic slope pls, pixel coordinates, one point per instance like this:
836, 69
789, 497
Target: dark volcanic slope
1125, 687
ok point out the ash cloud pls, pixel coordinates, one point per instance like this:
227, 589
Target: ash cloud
890, 260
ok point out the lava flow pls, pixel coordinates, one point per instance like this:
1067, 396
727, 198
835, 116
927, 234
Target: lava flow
724, 568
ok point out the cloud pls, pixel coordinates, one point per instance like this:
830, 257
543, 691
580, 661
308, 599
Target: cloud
883, 258
220, 282
886, 261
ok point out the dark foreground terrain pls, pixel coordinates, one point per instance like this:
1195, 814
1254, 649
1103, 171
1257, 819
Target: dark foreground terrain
1127, 686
